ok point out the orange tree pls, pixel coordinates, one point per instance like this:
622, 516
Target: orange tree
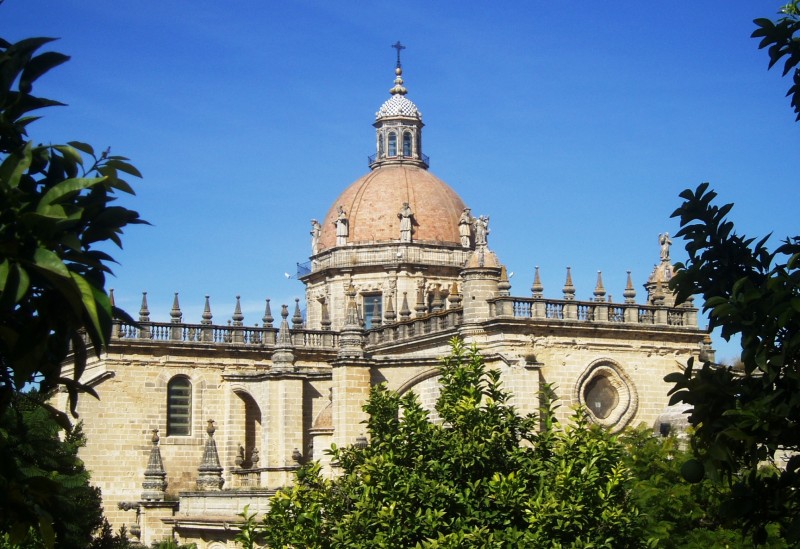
483, 476
746, 422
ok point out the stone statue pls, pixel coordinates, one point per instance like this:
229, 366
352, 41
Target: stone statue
465, 228
315, 231
405, 216
342, 227
481, 230
665, 242
254, 458
239, 460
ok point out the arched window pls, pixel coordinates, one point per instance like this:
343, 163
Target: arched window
380, 146
179, 406
392, 144
406, 144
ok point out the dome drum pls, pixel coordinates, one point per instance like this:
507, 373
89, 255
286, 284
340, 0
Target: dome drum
386, 255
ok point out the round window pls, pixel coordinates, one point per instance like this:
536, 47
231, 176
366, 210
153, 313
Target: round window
608, 394
601, 397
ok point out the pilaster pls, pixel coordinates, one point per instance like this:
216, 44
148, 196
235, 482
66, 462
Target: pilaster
351, 387
284, 447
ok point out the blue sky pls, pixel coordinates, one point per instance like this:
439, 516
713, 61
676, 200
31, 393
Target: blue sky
573, 125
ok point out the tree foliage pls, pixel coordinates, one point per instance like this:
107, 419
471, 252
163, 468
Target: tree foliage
57, 212
746, 421
782, 38
483, 476
678, 513
39, 466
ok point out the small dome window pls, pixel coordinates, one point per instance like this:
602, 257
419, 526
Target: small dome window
407, 144
392, 144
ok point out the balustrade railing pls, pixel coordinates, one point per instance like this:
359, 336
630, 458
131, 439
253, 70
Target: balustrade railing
554, 310
246, 478
523, 309
234, 335
429, 323
616, 313
646, 315
424, 157
675, 318
262, 478
585, 311
591, 311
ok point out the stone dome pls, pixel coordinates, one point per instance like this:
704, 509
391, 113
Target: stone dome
481, 258
373, 202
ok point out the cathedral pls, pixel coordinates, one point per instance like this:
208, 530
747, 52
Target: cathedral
195, 420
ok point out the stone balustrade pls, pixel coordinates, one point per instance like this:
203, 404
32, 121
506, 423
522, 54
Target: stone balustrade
428, 324
592, 311
262, 478
234, 335
506, 307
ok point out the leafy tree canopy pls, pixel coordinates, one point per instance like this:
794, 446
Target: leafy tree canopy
747, 421
39, 466
782, 38
679, 513
483, 476
57, 209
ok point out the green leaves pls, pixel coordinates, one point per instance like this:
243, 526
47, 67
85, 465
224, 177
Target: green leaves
782, 38
51, 278
744, 416
19, 63
40, 460
481, 477
56, 208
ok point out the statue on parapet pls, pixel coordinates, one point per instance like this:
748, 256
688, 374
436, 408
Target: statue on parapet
482, 230
342, 227
665, 242
406, 222
465, 228
316, 229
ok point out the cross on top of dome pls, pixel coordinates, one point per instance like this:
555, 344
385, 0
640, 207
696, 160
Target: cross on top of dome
398, 88
398, 46
398, 105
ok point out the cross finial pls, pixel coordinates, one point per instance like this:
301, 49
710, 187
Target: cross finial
398, 46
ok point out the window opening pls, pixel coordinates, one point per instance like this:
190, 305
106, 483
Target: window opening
373, 310
392, 144
179, 407
406, 144
601, 397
